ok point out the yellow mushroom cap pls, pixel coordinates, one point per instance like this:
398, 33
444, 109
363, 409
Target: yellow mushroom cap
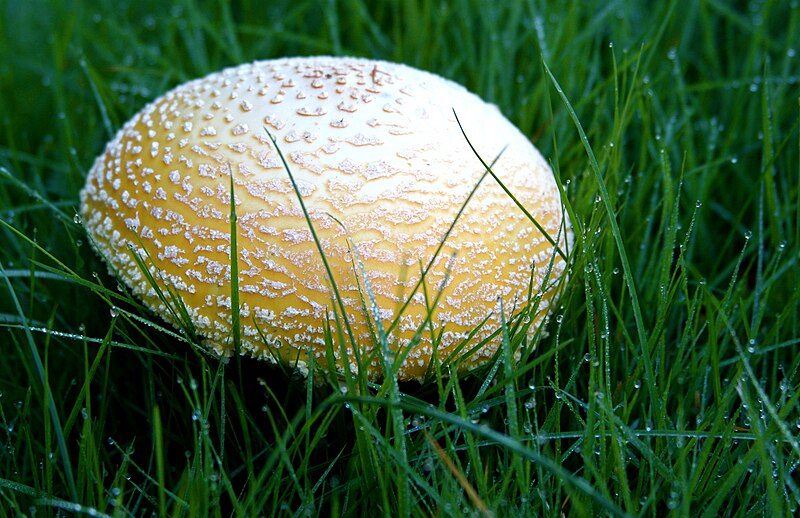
382, 166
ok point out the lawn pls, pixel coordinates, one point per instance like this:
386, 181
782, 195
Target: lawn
667, 381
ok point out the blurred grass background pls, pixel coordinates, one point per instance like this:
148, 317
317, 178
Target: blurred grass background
668, 383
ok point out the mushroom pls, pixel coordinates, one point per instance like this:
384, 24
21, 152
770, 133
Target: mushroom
376, 152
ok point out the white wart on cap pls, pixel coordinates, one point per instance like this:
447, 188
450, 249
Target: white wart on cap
379, 160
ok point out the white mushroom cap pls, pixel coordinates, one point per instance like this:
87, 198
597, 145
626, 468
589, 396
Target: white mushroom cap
378, 158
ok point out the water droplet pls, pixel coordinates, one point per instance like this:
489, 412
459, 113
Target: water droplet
734, 160
748, 234
114, 312
698, 204
77, 219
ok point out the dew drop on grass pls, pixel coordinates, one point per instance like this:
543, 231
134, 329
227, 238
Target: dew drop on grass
110, 441
734, 160
114, 312
587, 357
77, 219
748, 235
782, 246
751, 345
672, 54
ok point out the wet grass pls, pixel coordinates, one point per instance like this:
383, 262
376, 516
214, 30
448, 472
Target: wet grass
668, 382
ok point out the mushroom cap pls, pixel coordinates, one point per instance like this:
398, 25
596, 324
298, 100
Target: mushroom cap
383, 170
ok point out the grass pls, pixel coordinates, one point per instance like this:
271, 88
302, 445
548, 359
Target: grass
668, 383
